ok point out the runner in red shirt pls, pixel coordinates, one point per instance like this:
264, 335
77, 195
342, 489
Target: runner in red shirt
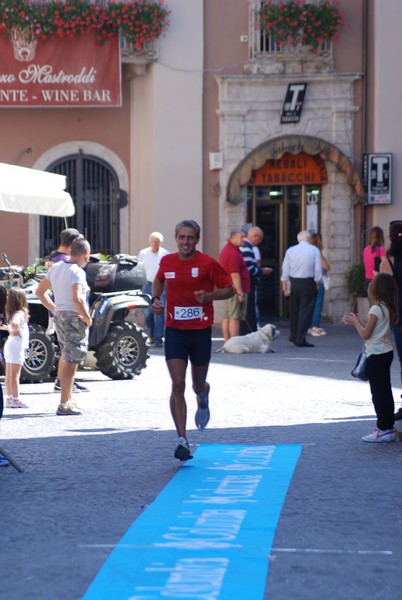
194, 280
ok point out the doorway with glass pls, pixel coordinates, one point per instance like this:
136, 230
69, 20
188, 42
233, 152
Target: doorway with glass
281, 211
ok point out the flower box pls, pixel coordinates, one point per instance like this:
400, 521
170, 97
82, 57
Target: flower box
140, 21
300, 24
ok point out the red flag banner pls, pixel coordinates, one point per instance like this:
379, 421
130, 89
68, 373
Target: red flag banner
76, 72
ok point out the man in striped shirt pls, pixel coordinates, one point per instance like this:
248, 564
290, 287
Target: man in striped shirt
254, 237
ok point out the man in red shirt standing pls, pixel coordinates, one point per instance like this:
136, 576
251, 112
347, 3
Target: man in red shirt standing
193, 280
233, 262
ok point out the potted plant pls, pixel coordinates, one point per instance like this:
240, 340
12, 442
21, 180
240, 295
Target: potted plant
139, 21
297, 23
355, 283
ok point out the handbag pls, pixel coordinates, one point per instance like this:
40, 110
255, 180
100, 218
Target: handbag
326, 281
360, 369
377, 260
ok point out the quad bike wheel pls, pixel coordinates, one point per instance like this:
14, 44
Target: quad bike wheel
123, 352
41, 356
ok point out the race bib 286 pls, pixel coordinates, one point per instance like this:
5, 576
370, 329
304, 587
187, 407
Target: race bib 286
186, 313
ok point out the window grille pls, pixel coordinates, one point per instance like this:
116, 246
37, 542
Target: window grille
93, 186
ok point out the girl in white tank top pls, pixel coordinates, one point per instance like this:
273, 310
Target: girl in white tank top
17, 316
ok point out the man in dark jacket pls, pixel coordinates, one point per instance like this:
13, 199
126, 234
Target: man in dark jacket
254, 238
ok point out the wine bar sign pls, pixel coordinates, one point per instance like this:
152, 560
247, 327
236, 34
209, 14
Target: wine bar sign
76, 72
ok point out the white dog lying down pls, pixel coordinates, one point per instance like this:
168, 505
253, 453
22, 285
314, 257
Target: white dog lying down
257, 341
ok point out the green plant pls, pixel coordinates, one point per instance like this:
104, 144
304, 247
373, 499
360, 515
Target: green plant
106, 257
38, 267
355, 280
140, 21
103, 257
296, 23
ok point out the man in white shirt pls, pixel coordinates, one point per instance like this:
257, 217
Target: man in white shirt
301, 276
72, 319
151, 258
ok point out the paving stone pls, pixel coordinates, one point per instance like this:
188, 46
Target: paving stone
87, 478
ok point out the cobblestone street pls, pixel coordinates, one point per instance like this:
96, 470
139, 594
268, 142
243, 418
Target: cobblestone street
87, 478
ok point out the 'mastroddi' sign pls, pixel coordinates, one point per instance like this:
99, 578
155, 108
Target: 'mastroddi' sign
76, 72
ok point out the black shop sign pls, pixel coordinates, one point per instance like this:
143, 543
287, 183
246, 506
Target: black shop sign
377, 175
293, 104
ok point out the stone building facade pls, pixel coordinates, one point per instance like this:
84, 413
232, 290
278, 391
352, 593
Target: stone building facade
251, 133
200, 135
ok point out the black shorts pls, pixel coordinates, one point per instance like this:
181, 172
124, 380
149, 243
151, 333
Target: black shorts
193, 344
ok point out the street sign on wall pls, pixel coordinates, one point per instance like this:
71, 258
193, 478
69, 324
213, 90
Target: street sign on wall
76, 72
377, 175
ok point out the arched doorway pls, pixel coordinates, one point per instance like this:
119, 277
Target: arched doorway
94, 187
284, 204
283, 197
293, 144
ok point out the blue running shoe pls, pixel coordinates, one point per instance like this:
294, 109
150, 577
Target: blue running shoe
203, 414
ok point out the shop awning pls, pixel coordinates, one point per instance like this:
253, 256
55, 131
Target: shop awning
34, 192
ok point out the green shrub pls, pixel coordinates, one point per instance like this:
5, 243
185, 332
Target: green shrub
355, 280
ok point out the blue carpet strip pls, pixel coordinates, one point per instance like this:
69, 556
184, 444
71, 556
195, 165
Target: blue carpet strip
209, 532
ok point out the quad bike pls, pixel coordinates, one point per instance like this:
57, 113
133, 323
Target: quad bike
118, 343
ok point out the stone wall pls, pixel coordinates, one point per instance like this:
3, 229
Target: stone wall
249, 112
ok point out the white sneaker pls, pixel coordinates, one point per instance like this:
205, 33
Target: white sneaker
380, 435
182, 450
68, 408
16, 403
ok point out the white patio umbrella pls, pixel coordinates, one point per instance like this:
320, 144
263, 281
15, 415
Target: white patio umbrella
35, 192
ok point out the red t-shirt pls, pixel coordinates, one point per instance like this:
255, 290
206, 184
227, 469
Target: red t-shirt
232, 261
183, 278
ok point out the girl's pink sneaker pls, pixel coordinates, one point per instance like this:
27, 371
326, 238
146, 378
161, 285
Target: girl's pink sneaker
16, 403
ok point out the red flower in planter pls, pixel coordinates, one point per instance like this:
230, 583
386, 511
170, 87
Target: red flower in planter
140, 20
290, 23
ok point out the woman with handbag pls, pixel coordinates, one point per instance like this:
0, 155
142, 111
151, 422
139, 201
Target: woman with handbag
383, 314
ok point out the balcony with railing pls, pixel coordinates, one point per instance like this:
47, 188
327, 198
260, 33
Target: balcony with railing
136, 61
275, 48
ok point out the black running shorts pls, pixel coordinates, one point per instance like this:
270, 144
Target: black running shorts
193, 344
